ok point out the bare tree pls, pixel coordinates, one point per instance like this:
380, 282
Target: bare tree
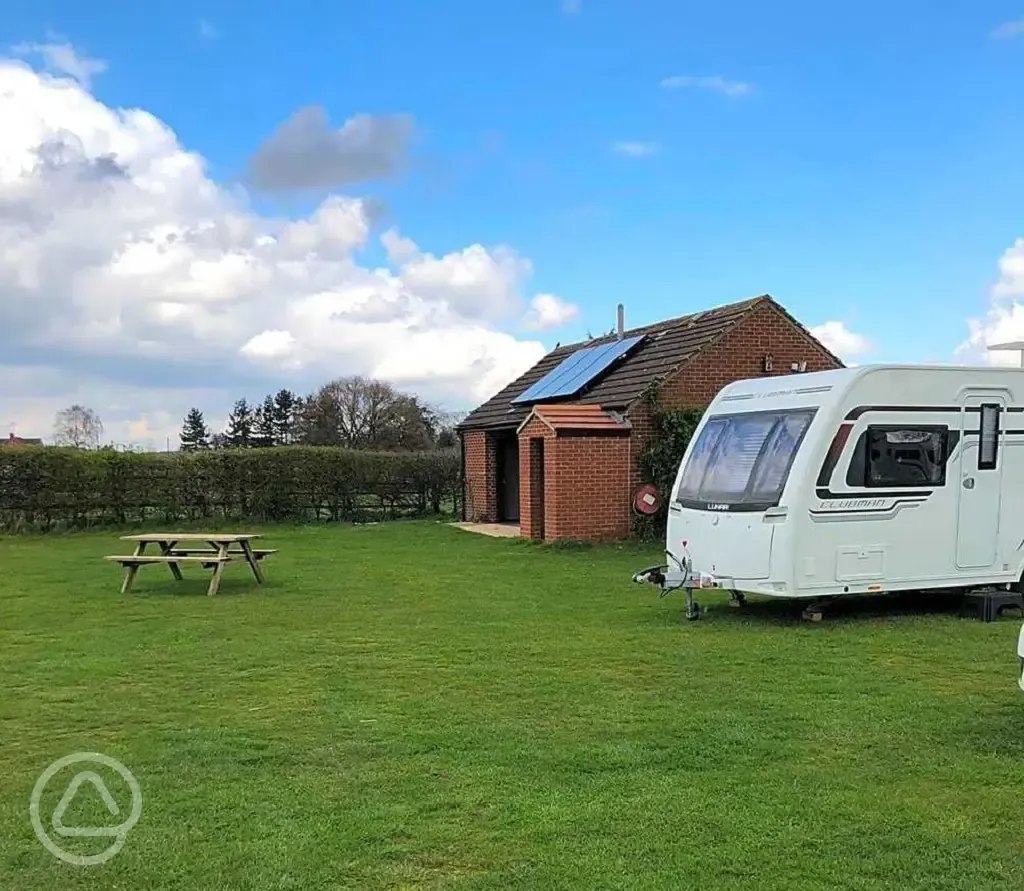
363, 409
77, 426
359, 413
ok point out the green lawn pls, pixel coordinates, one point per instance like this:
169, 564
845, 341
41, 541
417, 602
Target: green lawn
410, 706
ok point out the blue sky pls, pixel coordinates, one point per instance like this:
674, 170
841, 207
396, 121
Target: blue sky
870, 174
874, 169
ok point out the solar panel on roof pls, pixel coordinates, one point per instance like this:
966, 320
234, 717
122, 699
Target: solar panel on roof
574, 372
603, 356
539, 389
567, 368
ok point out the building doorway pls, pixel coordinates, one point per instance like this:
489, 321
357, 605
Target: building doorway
536, 505
507, 460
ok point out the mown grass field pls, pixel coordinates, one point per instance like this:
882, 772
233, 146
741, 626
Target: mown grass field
409, 706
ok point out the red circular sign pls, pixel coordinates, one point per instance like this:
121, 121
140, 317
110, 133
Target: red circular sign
646, 500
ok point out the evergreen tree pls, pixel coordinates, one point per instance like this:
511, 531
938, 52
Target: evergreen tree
264, 434
286, 407
297, 434
195, 434
240, 426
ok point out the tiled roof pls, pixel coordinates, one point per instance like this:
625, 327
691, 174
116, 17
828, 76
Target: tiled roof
577, 417
667, 345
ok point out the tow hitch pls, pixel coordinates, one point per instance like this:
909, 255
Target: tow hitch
655, 575
670, 579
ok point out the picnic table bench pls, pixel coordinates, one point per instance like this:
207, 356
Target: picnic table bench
220, 549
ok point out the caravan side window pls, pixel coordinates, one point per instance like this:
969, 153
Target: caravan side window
988, 450
893, 456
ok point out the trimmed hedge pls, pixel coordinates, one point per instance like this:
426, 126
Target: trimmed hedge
46, 489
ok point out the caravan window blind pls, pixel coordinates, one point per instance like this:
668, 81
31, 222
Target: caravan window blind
742, 461
778, 455
738, 449
988, 451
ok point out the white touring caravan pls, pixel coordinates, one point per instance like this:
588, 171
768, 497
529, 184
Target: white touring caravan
1020, 655
853, 481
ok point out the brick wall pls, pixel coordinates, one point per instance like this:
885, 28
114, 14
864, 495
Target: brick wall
584, 494
536, 495
641, 419
481, 477
591, 488
736, 356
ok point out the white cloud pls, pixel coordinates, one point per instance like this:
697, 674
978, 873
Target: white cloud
714, 83
131, 415
474, 282
155, 430
399, 248
635, 149
1002, 324
1011, 272
61, 57
122, 262
548, 311
1004, 321
270, 345
1013, 28
841, 341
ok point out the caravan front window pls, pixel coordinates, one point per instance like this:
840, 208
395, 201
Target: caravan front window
742, 461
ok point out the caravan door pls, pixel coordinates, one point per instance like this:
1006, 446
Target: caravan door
980, 477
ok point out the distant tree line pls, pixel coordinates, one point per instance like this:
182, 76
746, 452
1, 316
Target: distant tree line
351, 412
358, 450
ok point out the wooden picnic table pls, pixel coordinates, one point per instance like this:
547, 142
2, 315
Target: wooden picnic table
221, 548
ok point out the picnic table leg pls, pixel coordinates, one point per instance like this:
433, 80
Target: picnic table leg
222, 552
129, 577
129, 571
165, 550
252, 561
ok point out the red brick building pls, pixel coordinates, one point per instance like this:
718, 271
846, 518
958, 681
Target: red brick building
13, 440
556, 450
